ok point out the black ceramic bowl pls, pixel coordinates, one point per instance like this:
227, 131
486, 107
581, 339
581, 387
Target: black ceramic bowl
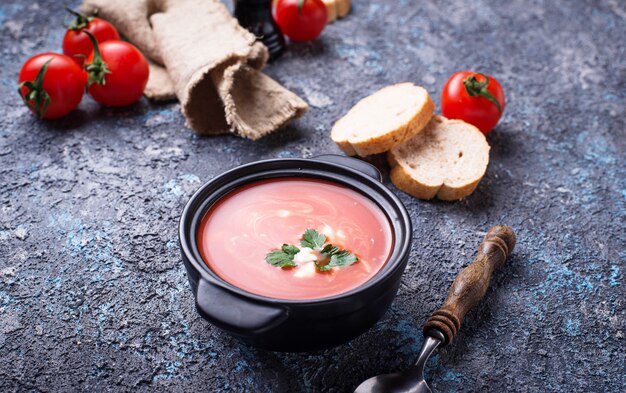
295, 325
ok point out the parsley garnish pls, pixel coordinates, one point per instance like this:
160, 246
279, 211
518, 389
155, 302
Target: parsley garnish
282, 257
312, 239
339, 259
316, 241
329, 249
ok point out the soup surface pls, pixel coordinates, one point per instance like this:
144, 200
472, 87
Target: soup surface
243, 226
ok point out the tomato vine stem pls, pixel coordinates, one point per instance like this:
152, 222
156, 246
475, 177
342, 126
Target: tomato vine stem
97, 69
36, 98
81, 20
475, 88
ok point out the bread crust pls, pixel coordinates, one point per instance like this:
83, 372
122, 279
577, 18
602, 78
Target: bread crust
384, 142
343, 8
331, 10
404, 181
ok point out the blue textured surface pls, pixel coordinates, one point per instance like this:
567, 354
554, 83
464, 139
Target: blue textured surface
93, 296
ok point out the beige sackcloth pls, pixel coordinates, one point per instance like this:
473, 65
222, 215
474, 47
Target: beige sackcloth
200, 54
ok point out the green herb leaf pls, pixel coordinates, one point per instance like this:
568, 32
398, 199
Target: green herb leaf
312, 239
322, 268
329, 249
290, 249
282, 257
338, 259
341, 259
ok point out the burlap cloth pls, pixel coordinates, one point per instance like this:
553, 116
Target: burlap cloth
200, 54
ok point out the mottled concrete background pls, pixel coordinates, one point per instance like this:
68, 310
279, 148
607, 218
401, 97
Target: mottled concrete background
93, 296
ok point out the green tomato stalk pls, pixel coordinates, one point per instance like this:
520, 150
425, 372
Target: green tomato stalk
97, 69
81, 20
36, 98
475, 88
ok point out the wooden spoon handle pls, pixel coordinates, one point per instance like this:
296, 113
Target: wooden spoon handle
471, 284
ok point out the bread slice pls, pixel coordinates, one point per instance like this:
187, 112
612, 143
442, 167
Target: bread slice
335, 9
447, 159
331, 10
343, 8
384, 119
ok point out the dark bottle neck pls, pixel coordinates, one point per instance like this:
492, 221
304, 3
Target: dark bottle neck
256, 16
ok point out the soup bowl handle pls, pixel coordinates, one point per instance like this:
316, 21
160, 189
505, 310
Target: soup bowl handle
353, 163
231, 312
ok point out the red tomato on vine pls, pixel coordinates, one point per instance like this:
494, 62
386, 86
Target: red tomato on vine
78, 45
51, 85
301, 20
118, 72
475, 98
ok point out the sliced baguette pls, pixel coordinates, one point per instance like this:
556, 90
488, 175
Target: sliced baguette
383, 120
447, 160
331, 10
343, 8
335, 9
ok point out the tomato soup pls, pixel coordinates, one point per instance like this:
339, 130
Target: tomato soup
238, 231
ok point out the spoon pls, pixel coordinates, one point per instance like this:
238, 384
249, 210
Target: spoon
466, 291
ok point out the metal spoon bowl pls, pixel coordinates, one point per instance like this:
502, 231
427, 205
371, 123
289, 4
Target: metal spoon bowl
409, 381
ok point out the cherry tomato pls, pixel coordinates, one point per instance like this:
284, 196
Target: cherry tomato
76, 45
301, 20
51, 85
475, 98
118, 73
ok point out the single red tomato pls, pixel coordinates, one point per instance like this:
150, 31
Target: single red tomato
475, 98
77, 45
51, 85
118, 73
301, 20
